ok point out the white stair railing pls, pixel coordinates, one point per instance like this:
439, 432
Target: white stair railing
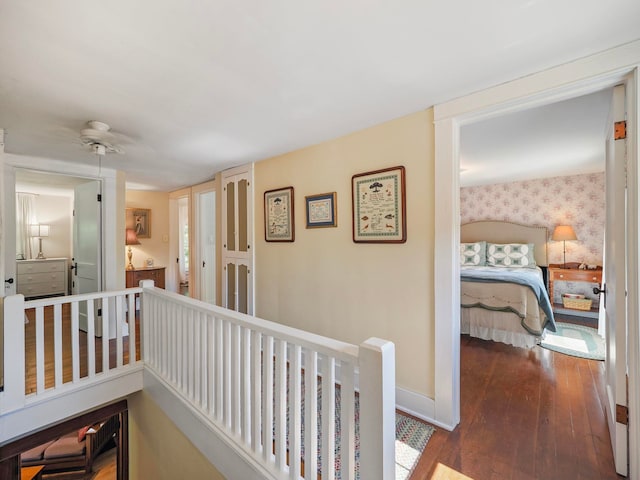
117, 311
249, 377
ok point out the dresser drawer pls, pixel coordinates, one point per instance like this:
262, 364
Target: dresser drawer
40, 289
50, 277
41, 266
577, 276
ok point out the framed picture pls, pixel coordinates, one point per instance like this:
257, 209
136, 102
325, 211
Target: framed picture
278, 215
321, 210
379, 206
139, 219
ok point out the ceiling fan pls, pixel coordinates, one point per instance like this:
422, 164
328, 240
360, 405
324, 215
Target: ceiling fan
97, 135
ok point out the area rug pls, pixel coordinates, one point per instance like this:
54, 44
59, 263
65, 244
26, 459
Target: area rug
411, 437
575, 340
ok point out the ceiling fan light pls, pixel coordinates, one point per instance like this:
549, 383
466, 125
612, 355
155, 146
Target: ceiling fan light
99, 149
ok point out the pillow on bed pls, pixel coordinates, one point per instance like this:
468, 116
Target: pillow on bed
473, 254
510, 255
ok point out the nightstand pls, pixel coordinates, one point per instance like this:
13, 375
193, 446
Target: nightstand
148, 273
560, 273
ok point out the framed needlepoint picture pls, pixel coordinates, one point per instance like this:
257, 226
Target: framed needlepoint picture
379, 206
278, 215
321, 210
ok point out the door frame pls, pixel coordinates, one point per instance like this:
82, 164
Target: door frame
560, 83
112, 208
194, 236
173, 270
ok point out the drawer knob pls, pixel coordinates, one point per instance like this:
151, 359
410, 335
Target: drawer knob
561, 276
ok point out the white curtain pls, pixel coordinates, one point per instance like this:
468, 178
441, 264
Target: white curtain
183, 239
25, 216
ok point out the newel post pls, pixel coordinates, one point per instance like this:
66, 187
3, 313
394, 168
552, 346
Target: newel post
145, 319
12, 311
377, 409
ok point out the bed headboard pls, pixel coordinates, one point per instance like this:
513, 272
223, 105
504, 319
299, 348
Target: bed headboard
507, 232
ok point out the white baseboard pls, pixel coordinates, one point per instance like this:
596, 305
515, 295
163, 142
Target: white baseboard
419, 406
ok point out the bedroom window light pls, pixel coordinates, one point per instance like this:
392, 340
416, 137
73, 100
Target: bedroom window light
564, 233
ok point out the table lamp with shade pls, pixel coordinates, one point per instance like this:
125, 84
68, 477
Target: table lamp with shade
564, 233
131, 239
38, 231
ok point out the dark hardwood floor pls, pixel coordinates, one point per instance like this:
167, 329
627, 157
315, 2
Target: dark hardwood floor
525, 414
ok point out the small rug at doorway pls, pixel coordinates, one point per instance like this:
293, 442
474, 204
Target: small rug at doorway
575, 340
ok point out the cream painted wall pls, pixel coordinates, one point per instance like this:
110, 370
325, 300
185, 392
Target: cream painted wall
327, 284
156, 247
158, 449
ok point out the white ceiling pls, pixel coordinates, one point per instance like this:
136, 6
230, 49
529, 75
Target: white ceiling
198, 86
564, 138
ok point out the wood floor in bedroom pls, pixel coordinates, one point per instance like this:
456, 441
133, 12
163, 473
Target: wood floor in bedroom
525, 414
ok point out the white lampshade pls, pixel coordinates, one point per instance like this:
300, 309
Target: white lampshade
39, 230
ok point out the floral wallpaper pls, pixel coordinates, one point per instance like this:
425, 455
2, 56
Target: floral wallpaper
576, 200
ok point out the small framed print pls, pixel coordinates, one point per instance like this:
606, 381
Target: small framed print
139, 219
379, 206
321, 210
278, 215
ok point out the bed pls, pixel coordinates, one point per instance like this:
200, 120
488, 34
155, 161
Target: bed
503, 295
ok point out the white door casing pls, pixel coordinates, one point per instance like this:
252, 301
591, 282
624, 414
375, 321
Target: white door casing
615, 285
204, 241
8, 234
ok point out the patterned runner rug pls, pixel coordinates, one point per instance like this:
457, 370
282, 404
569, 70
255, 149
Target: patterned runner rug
575, 340
411, 438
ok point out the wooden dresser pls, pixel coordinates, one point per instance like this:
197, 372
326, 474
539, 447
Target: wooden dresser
147, 273
39, 278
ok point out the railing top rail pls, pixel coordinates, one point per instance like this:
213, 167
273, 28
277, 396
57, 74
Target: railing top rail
336, 348
46, 302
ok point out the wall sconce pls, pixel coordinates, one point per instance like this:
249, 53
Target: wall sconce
38, 231
564, 233
131, 239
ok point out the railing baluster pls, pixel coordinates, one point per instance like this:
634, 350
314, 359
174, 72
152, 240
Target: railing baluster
211, 361
226, 383
246, 385
105, 335
236, 380
219, 369
75, 341
190, 351
328, 418
91, 340
267, 398
295, 419
310, 414
119, 325
256, 390
131, 310
347, 422
57, 345
40, 350
200, 360
281, 404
